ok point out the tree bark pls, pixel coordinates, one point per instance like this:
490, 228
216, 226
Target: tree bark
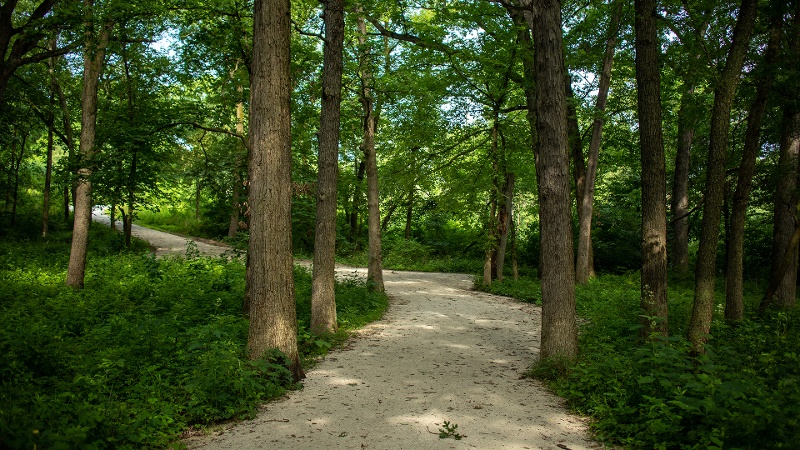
323, 301
734, 271
233, 225
503, 224
584, 267
559, 325
785, 216
270, 278
93, 59
705, 271
375, 267
48, 169
490, 239
653, 289
492, 235
360, 169
579, 164
680, 187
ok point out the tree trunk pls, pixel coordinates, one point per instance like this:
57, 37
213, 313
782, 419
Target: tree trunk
734, 271
375, 267
514, 267
409, 212
16, 164
323, 301
559, 325
66, 204
653, 287
198, 188
112, 215
504, 220
785, 218
490, 239
233, 225
48, 176
680, 187
270, 278
579, 165
360, 168
705, 272
48, 170
584, 267
127, 226
70, 142
93, 59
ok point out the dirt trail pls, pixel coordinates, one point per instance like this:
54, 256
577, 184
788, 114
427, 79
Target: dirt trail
441, 353
165, 244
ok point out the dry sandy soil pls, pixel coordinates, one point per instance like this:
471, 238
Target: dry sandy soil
441, 353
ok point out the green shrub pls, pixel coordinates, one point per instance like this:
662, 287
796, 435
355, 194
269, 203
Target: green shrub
148, 348
525, 288
742, 394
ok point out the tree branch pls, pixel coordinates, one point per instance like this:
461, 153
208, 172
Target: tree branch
207, 128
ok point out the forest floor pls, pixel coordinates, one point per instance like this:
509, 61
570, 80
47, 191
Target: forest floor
442, 353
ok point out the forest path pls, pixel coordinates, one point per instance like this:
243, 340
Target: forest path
165, 244
441, 353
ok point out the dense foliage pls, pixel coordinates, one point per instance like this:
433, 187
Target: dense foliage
147, 349
742, 394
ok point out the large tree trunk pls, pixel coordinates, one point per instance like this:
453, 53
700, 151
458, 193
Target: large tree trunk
653, 293
705, 271
559, 325
785, 219
270, 277
323, 301
584, 267
734, 272
93, 58
375, 267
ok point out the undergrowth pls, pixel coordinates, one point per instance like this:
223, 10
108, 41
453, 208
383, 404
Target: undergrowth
147, 349
403, 254
742, 394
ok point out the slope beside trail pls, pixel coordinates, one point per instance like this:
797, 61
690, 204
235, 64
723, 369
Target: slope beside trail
441, 353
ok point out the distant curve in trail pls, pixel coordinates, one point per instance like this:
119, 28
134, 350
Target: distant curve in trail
165, 244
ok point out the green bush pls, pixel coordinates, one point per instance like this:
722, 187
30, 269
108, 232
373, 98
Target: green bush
526, 289
147, 349
742, 394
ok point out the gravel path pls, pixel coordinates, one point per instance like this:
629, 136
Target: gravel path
165, 244
441, 353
